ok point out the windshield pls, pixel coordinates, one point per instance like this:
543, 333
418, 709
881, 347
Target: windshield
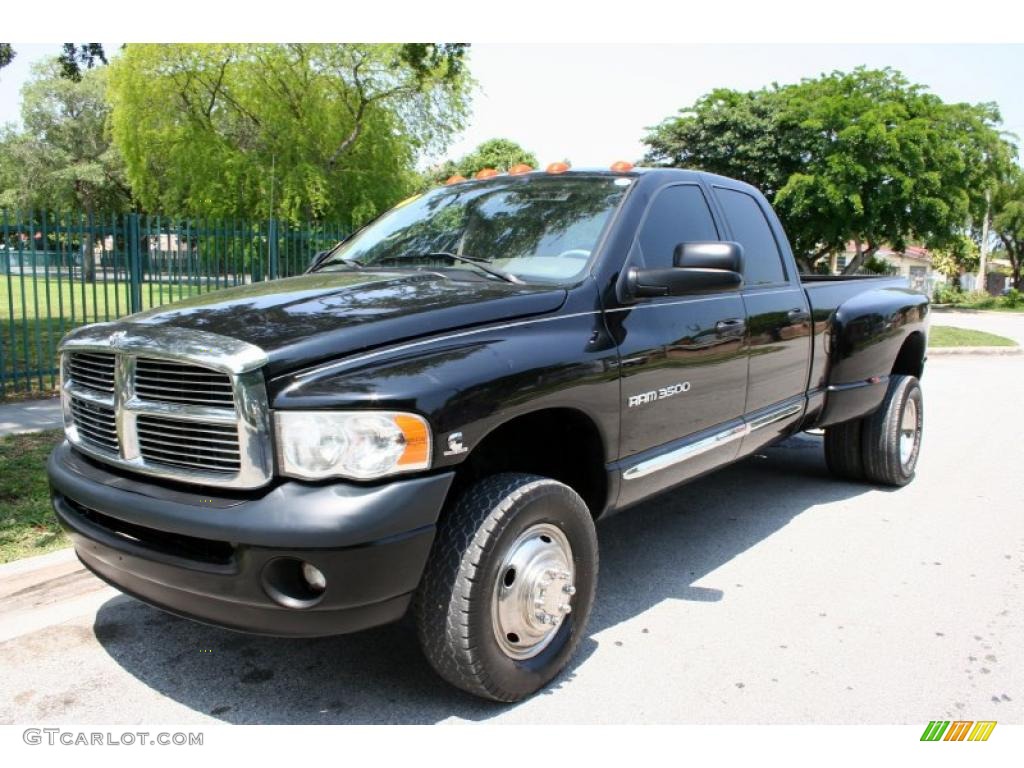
534, 229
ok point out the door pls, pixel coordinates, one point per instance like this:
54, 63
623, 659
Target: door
683, 359
778, 322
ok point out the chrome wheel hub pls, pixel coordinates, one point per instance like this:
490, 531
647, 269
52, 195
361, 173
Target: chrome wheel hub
908, 433
533, 591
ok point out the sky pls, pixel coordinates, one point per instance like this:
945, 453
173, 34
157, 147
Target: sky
593, 103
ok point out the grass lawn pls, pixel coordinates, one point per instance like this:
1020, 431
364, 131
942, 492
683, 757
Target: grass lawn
946, 336
27, 524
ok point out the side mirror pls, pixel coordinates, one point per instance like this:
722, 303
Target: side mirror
699, 267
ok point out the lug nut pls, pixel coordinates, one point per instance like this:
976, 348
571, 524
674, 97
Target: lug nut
569, 589
565, 608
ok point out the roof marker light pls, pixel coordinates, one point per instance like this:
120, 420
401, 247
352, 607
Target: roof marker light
485, 173
621, 166
558, 168
519, 169
456, 179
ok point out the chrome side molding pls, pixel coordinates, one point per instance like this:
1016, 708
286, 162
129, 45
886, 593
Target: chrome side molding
710, 443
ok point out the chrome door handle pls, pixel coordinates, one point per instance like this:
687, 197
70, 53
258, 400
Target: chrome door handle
734, 326
798, 315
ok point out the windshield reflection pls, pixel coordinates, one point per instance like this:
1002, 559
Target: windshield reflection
536, 228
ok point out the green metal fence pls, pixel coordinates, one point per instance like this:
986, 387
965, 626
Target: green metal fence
60, 271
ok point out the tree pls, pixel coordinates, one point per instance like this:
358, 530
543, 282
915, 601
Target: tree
201, 126
64, 160
863, 157
1008, 221
499, 154
73, 57
956, 258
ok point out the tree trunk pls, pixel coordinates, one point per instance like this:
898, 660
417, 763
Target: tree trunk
860, 257
89, 255
983, 259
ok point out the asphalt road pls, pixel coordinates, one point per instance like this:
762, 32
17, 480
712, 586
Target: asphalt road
767, 593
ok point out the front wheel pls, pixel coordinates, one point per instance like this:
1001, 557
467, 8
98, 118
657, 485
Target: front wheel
509, 586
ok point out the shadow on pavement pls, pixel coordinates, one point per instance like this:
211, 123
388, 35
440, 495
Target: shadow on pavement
649, 554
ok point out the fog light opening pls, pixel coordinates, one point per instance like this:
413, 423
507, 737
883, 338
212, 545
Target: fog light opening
293, 583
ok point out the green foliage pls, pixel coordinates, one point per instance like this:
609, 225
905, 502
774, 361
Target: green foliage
64, 159
7, 54
959, 256
946, 294
863, 156
877, 266
27, 523
1008, 220
1012, 299
206, 129
977, 300
74, 57
500, 154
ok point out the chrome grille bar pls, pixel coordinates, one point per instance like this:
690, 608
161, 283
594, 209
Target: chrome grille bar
174, 382
175, 403
92, 370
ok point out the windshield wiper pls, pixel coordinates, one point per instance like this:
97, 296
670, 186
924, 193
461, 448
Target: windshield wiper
479, 263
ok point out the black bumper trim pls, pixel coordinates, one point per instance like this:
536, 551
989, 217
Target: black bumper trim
290, 515
370, 581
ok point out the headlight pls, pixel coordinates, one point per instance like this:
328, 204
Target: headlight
362, 445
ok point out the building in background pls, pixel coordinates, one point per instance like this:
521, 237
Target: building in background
913, 263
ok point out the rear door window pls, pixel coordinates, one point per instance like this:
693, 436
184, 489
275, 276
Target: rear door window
762, 261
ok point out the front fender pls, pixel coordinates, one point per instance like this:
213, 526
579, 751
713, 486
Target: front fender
474, 381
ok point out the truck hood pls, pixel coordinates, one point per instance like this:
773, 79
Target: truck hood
300, 321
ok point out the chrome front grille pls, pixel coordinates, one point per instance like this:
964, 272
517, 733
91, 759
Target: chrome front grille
187, 444
97, 424
182, 404
171, 382
93, 370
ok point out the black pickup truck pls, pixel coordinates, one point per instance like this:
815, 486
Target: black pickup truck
434, 416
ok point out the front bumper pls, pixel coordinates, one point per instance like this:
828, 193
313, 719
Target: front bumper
219, 559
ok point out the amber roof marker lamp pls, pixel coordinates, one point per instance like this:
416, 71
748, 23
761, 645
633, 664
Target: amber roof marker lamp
558, 168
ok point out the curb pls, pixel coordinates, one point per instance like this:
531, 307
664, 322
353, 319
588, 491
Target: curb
37, 562
960, 351
949, 309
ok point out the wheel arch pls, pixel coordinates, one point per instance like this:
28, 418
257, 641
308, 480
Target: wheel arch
560, 442
910, 359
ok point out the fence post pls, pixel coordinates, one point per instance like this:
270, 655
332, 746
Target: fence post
272, 266
134, 264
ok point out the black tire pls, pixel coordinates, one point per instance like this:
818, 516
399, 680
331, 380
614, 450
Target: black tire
454, 603
883, 429
843, 449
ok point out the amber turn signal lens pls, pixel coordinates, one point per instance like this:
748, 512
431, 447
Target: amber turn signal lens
454, 180
519, 169
417, 440
558, 168
486, 173
622, 166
